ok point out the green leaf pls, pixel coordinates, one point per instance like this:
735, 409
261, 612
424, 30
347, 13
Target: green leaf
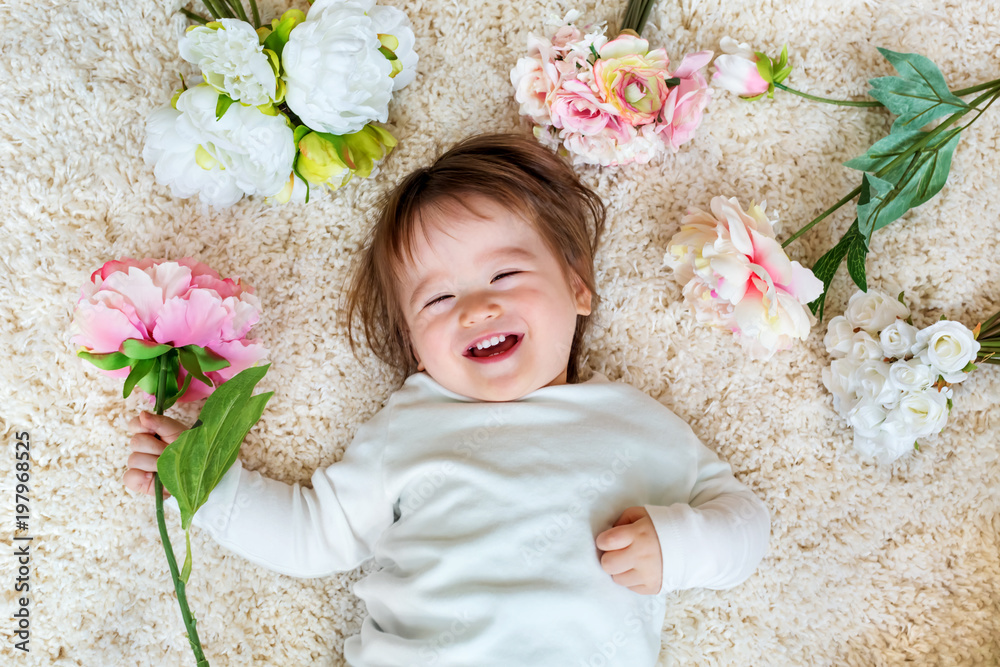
281, 29
222, 106
856, 254
192, 465
186, 570
197, 361
140, 369
111, 361
143, 349
826, 266
907, 185
918, 95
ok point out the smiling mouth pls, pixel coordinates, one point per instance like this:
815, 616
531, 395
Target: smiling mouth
501, 348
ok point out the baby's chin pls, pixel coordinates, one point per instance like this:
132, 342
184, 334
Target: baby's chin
498, 391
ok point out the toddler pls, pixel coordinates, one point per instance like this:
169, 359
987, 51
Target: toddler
520, 517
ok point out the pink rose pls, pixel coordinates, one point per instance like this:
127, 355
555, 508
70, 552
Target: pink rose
576, 108
177, 303
736, 70
687, 100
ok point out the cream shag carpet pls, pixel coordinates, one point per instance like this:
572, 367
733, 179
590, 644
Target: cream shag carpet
868, 565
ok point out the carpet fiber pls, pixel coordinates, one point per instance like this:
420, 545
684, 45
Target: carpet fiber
868, 565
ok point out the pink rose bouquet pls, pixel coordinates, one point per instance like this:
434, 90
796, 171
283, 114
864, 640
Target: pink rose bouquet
608, 102
736, 276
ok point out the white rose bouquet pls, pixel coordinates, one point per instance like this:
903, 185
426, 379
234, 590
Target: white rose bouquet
891, 381
281, 107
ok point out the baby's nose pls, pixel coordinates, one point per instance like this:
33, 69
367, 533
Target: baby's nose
477, 308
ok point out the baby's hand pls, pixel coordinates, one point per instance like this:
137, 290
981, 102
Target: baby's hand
146, 449
632, 552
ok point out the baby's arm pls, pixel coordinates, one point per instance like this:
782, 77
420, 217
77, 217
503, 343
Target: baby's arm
286, 528
716, 539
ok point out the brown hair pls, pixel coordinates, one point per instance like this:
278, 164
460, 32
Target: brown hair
511, 170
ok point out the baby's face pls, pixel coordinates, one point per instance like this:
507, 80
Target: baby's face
476, 280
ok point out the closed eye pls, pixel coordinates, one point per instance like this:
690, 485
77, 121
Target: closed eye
505, 274
437, 300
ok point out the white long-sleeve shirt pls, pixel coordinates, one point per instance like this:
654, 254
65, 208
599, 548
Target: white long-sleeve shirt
483, 518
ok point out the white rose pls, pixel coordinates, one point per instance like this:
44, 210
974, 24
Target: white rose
531, 88
948, 347
232, 61
839, 334
866, 418
911, 376
872, 382
883, 447
864, 348
840, 380
244, 152
898, 339
337, 79
874, 310
918, 414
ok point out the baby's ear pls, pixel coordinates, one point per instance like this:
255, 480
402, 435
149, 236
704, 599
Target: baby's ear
581, 294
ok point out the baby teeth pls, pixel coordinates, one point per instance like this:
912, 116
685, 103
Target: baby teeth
490, 342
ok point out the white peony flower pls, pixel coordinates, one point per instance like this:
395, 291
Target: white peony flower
874, 310
337, 79
947, 347
863, 347
918, 414
883, 447
911, 376
898, 339
391, 21
244, 152
232, 60
839, 336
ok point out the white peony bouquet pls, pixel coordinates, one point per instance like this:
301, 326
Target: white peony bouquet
890, 380
281, 107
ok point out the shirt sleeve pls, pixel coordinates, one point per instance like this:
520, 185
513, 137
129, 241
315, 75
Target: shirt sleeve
716, 539
303, 532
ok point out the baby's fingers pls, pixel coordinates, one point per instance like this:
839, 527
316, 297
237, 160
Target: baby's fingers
141, 482
146, 422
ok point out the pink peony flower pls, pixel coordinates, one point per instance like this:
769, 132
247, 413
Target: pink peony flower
632, 79
743, 279
736, 70
177, 303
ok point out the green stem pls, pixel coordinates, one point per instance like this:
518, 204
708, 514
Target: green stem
988, 324
851, 195
256, 13
238, 7
194, 17
216, 9
189, 620
827, 100
975, 89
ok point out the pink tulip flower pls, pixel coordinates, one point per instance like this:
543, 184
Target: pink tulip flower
736, 70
